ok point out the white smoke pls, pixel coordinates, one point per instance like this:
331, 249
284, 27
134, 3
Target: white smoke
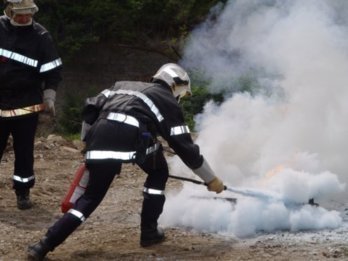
289, 134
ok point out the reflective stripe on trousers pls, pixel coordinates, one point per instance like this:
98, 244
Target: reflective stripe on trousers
77, 214
152, 191
23, 180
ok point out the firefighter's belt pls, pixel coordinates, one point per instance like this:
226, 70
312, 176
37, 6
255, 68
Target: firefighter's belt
120, 117
22, 111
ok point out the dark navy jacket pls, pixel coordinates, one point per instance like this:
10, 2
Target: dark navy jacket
153, 105
29, 63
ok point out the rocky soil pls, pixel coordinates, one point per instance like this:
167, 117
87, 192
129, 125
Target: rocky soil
112, 232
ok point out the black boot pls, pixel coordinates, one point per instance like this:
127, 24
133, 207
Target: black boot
151, 236
38, 251
23, 199
151, 210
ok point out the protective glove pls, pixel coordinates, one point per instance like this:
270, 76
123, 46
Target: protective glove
216, 185
49, 99
207, 174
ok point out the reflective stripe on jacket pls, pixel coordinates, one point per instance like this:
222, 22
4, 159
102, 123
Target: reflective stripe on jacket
154, 106
29, 63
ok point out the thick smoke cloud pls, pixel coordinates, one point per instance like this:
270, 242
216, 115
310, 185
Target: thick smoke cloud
288, 134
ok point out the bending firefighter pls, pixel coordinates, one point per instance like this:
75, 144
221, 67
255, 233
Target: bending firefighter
29, 76
120, 126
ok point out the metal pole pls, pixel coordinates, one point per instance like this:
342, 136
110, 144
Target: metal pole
250, 192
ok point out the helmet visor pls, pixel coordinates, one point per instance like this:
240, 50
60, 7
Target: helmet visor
27, 10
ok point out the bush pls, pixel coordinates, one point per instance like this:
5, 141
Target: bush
75, 24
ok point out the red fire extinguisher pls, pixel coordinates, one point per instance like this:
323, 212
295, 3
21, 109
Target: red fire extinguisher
77, 188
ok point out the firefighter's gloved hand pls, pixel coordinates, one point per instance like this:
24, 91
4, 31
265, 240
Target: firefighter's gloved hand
216, 185
49, 99
208, 175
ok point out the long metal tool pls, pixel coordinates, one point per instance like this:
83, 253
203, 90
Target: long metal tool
248, 192
244, 192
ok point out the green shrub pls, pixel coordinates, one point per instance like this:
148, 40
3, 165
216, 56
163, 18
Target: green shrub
75, 24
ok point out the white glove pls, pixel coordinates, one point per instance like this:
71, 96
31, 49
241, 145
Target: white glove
49, 98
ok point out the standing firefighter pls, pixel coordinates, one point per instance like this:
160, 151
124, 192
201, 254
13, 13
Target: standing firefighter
29, 76
120, 125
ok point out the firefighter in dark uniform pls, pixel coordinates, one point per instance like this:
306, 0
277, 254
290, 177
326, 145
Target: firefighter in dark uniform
29, 76
121, 125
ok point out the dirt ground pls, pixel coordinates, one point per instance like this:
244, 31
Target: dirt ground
112, 232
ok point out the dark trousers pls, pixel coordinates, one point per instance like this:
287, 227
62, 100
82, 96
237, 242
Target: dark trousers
157, 169
101, 175
23, 131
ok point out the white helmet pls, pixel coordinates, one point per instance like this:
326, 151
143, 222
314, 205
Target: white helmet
13, 7
176, 77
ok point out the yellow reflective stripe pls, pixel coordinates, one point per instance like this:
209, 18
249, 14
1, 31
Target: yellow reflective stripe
153, 191
18, 57
22, 111
120, 117
77, 214
23, 180
101, 154
178, 130
50, 65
